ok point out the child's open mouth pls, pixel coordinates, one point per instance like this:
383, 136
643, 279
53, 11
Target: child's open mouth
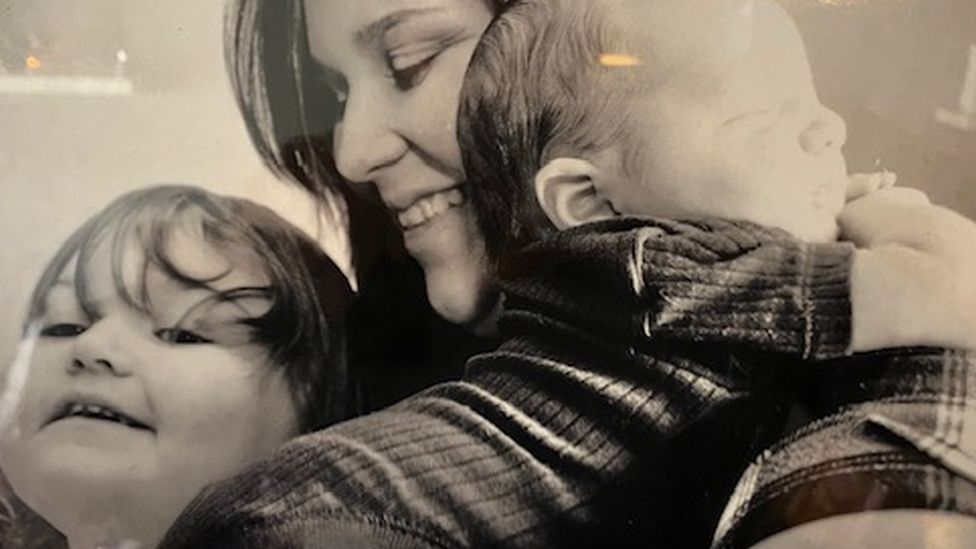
100, 412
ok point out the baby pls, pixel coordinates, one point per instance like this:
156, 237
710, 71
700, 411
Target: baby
175, 338
574, 114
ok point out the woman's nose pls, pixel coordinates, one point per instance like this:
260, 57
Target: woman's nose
366, 139
826, 132
102, 350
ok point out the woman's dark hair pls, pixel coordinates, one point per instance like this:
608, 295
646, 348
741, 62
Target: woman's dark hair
304, 329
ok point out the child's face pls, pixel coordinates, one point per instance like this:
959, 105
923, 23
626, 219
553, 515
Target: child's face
145, 405
734, 128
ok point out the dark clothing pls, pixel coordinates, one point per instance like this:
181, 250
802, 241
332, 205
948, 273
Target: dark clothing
619, 409
398, 345
893, 430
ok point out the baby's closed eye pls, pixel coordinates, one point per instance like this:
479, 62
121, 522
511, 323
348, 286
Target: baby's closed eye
753, 121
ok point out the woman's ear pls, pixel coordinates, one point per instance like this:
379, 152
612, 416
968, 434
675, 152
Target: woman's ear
566, 189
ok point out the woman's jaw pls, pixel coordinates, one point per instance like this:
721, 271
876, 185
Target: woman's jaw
440, 232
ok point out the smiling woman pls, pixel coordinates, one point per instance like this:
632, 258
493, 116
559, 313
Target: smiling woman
177, 341
378, 81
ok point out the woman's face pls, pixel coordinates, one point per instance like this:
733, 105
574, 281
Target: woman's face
398, 66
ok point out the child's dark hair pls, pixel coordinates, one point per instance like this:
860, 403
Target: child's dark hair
304, 329
536, 89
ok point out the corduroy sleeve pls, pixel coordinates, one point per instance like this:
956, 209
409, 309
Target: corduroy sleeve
733, 282
710, 281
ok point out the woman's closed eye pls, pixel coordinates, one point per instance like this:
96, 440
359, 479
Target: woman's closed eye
63, 329
180, 336
409, 70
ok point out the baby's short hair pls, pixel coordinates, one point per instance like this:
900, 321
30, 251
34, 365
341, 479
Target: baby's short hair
540, 85
304, 329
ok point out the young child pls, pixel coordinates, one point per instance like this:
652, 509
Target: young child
688, 109
577, 113
176, 337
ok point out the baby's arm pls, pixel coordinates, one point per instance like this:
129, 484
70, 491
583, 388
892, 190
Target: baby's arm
913, 276
736, 283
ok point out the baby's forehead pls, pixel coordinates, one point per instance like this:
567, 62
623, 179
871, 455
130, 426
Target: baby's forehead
707, 39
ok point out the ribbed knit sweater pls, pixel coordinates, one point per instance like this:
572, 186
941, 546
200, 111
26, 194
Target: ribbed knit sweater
620, 408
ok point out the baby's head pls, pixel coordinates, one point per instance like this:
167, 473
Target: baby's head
575, 111
176, 337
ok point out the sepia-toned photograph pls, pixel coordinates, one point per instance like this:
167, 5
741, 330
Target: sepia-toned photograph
445, 274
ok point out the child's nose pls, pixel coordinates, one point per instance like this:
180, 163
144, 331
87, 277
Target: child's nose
100, 350
825, 133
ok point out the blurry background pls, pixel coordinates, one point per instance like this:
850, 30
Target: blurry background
81, 122
72, 138
887, 66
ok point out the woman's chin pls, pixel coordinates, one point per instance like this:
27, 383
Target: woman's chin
449, 249
460, 297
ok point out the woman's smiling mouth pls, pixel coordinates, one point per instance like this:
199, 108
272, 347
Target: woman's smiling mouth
429, 207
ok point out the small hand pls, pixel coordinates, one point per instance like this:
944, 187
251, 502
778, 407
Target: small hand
886, 215
913, 272
862, 184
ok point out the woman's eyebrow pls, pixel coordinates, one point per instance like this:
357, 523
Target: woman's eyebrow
373, 33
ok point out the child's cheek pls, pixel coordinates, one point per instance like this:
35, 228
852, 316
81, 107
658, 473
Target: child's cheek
30, 386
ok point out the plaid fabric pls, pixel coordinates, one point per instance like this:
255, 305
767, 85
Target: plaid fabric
896, 429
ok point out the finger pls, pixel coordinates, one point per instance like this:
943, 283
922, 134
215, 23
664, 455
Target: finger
905, 196
888, 180
862, 184
886, 198
872, 217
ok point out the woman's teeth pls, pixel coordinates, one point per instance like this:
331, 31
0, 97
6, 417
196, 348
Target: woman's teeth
430, 207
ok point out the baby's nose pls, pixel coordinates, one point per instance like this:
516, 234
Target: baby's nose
826, 132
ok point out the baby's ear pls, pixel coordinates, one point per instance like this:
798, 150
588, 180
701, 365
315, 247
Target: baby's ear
566, 189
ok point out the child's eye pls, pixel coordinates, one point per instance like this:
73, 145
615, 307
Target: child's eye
182, 337
62, 330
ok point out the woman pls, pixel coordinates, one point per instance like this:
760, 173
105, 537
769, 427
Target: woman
366, 92
385, 106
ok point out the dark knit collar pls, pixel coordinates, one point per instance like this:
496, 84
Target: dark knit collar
602, 277
582, 276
